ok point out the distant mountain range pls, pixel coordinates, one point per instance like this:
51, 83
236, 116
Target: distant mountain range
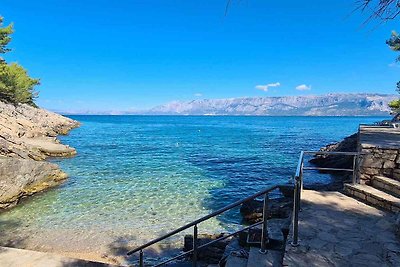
323, 105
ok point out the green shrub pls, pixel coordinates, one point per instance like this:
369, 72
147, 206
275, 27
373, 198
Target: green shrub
394, 44
15, 84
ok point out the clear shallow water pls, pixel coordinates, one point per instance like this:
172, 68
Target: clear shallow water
145, 175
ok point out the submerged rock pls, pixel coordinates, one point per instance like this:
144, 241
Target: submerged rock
252, 211
23, 177
211, 253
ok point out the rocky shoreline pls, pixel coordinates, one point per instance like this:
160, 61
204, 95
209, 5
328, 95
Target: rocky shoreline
348, 144
28, 136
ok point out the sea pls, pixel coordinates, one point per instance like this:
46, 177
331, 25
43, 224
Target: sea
137, 177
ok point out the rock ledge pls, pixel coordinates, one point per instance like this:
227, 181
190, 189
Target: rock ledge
28, 135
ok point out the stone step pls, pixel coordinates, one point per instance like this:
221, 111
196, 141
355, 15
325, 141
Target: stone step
386, 184
271, 258
274, 227
373, 196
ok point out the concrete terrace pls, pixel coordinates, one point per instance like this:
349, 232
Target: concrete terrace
337, 230
379, 137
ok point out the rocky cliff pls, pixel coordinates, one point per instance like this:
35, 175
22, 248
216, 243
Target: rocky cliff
28, 135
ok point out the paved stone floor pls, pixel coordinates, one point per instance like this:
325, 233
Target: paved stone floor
336, 230
382, 137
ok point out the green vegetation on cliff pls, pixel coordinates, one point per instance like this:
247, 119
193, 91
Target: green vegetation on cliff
394, 44
15, 84
395, 104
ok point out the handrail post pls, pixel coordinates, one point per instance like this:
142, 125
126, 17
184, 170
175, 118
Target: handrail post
195, 245
296, 209
301, 185
264, 233
141, 258
301, 177
355, 169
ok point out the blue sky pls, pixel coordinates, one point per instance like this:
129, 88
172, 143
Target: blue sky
125, 55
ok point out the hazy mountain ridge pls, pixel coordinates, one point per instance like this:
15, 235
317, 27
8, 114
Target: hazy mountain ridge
323, 105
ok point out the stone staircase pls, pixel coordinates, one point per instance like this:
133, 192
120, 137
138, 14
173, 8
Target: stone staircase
277, 232
240, 253
382, 192
379, 168
257, 259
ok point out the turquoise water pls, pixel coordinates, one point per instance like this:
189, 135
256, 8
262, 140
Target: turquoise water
144, 175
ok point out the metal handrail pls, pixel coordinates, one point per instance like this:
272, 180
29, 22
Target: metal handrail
331, 153
296, 208
299, 183
216, 213
377, 125
196, 222
210, 243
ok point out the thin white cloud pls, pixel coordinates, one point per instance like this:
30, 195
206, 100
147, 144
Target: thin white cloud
198, 94
267, 86
394, 65
303, 87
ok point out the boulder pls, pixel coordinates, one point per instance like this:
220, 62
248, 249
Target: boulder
211, 253
252, 211
23, 177
287, 190
28, 135
349, 144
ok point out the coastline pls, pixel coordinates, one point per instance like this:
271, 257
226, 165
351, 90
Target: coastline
28, 136
92, 242
347, 144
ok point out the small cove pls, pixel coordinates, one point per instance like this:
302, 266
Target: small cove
136, 177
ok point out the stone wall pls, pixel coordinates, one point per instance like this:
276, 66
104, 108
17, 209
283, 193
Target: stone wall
379, 161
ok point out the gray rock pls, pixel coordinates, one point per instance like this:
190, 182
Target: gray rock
252, 210
372, 162
211, 253
398, 159
349, 144
396, 173
389, 164
23, 177
28, 132
27, 136
370, 171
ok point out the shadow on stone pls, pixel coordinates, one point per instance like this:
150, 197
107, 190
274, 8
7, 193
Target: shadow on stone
336, 230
